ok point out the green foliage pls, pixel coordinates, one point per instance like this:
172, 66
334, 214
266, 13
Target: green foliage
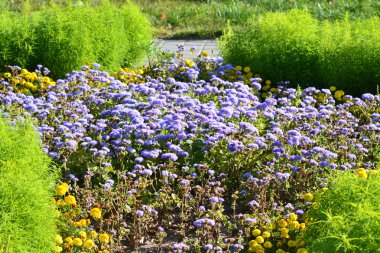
347, 217
296, 47
66, 38
27, 215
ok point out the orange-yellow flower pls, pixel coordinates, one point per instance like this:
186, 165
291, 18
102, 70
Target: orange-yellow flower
104, 238
96, 213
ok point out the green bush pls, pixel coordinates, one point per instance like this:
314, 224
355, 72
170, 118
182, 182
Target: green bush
296, 47
27, 215
66, 38
347, 217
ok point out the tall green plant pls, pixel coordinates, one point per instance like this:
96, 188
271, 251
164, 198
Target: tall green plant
296, 47
27, 215
347, 217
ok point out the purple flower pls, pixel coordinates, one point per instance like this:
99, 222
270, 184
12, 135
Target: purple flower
170, 156
139, 213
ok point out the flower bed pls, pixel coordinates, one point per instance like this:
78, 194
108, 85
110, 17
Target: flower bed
191, 156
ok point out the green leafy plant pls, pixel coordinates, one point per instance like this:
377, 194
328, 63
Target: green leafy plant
66, 38
27, 215
296, 47
347, 217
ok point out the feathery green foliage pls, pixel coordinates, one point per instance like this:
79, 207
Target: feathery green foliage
296, 47
66, 38
347, 217
27, 215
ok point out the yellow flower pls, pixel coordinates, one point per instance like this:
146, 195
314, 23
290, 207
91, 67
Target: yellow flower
268, 245
282, 223
284, 232
294, 225
268, 82
58, 239
293, 216
332, 88
189, 63
247, 69
82, 235
93, 234
62, 189
252, 243
292, 243
259, 239
362, 173
238, 68
204, 53
266, 234
58, 249
302, 226
7, 75
77, 242
83, 222
88, 244
69, 240
308, 197
104, 238
256, 232
96, 213
301, 250
70, 200
280, 251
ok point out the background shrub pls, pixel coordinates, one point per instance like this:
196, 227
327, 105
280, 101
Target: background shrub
66, 38
295, 47
26, 211
347, 217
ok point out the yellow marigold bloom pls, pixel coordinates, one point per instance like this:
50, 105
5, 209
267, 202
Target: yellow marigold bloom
268, 245
252, 243
293, 216
249, 75
284, 231
7, 75
83, 235
77, 224
69, 240
265, 88
295, 225
301, 250
104, 238
238, 68
302, 226
93, 234
58, 239
247, 69
258, 247
62, 189
189, 63
266, 234
308, 197
58, 249
256, 232
259, 239
140, 72
88, 244
78, 242
292, 243
362, 173
70, 200
24, 72
204, 53
332, 88
282, 223
83, 222
268, 82
96, 213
